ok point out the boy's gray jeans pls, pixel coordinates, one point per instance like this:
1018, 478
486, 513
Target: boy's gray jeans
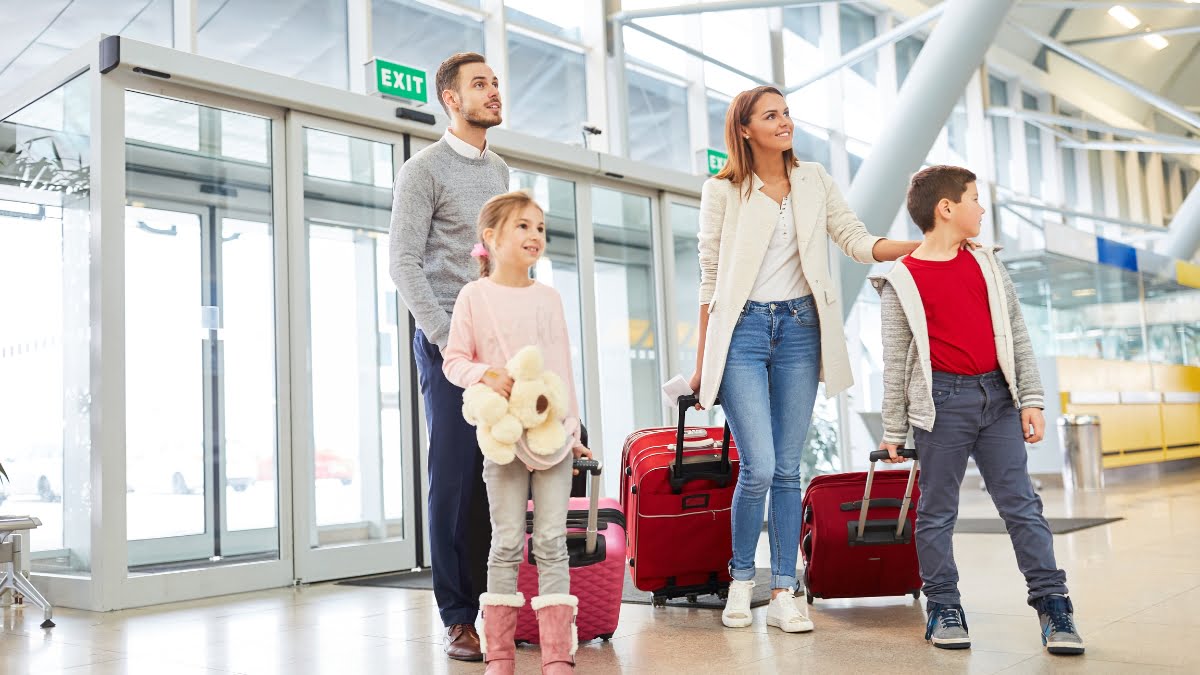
976, 418
508, 487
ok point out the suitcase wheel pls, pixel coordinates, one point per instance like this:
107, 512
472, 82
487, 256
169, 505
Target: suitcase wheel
658, 601
806, 546
916, 594
693, 599
808, 596
606, 637
723, 593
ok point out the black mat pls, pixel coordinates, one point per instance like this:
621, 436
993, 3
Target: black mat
761, 595
420, 581
1057, 525
423, 581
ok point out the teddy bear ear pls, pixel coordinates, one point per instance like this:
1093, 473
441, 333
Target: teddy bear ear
526, 364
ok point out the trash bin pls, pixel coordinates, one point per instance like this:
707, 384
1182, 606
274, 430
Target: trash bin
1083, 467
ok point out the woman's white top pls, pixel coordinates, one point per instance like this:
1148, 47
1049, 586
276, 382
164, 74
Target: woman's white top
780, 277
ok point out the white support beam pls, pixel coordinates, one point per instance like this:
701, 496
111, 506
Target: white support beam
1169, 149
1092, 4
596, 74
495, 48
704, 8
1134, 35
1089, 125
1165, 105
1183, 234
690, 51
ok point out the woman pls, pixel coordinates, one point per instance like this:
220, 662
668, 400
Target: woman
770, 327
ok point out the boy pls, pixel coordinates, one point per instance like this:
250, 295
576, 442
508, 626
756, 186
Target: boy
959, 369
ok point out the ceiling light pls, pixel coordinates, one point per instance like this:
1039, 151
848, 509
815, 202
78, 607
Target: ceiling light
1083, 292
1157, 41
1124, 17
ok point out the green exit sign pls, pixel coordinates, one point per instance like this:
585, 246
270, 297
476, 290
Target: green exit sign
715, 160
399, 81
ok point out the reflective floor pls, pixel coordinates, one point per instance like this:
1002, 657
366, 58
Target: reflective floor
1135, 583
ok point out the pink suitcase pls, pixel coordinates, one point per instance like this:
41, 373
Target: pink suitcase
596, 544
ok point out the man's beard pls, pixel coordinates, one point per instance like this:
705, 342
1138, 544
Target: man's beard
480, 121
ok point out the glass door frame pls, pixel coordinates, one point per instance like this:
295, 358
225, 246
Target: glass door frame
665, 244
318, 563
111, 585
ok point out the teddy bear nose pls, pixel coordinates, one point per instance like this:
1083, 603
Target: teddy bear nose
543, 404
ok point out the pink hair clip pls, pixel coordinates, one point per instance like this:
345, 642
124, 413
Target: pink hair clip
480, 251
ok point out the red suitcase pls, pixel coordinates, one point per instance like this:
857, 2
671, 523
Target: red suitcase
596, 545
677, 491
848, 555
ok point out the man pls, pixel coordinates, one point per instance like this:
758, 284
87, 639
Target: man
436, 200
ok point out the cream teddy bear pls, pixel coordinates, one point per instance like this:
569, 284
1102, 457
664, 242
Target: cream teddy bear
536, 408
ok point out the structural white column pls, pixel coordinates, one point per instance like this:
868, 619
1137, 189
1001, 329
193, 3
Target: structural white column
184, 24
1108, 169
697, 99
1174, 187
1183, 234
950, 56
1134, 187
1156, 194
618, 95
596, 72
359, 45
495, 48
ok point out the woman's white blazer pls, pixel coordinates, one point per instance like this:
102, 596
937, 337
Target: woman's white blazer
734, 233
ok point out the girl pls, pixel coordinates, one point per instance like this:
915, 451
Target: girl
494, 317
770, 326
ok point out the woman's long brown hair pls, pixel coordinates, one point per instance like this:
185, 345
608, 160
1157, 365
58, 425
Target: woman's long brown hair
741, 158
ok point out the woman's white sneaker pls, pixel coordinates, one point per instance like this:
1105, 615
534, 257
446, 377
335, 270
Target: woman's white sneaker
786, 615
737, 605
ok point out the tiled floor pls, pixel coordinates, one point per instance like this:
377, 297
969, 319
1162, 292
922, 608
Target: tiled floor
1136, 586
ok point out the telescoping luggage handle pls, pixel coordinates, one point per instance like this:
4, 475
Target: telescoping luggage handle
899, 533
681, 473
593, 466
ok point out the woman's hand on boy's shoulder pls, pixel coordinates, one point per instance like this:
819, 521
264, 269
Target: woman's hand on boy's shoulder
971, 244
1033, 424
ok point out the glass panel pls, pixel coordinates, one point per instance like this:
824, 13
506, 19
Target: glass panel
38, 34
1070, 180
651, 51
858, 28
418, 35
658, 122
305, 39
164, 374
554, 17
559, 268
956, 131
627, 344
906, 55
738, 38
201, 404
685, 226
1001, 133
716, 123
803, 57
811, 144
356, 337
44, 337
1033, 155
862, 96
548, 83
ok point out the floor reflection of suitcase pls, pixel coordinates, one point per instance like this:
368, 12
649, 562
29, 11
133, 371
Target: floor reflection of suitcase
677, 490
596, 545
857, 537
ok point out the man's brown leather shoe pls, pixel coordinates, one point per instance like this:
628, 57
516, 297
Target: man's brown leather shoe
461, 642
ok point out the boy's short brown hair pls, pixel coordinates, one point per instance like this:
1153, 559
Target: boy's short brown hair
447, 73
930, 186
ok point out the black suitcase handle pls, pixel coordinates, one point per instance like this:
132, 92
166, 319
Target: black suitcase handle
680, 473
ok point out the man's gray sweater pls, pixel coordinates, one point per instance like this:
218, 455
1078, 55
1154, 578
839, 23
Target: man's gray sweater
435, 210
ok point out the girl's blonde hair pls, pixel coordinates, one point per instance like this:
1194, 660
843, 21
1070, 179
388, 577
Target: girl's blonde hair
495, 213
741, 157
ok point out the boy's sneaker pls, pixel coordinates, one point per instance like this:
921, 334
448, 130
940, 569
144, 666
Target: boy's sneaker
787, 615
737, 605
1058, 625
947, 626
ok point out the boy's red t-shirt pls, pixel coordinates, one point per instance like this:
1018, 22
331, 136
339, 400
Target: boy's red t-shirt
957, 313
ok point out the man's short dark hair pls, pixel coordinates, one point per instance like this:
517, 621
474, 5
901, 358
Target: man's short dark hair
930, 186
447, 73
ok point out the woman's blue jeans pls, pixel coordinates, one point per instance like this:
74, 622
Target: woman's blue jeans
767, 393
